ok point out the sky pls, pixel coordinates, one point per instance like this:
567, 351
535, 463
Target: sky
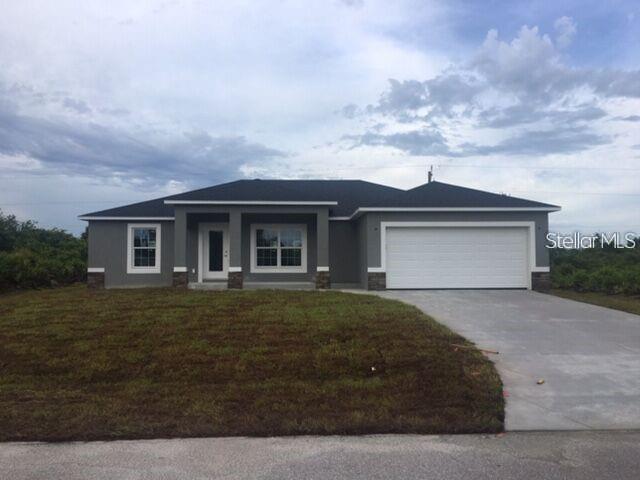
108, 103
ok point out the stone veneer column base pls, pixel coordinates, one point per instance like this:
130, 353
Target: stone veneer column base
541, 281
95, 279
323, 280
234, 280
376, 281
180, 279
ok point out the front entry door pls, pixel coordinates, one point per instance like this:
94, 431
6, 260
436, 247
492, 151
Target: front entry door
214, 251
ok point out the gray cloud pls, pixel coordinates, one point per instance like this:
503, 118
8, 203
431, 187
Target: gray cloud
78, 106
350, 111
522, 114
402, 96
629, 118
455, 89
535, 143
538, 143
21, 94
528, 73
615, 83
98, 150
441, 94
116, 112
423, 142
511, 86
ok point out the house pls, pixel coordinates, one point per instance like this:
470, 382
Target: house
340, 233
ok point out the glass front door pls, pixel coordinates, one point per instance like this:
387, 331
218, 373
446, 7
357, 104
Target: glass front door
214, 249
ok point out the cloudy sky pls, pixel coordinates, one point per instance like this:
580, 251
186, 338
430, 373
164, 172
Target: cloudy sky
107, 103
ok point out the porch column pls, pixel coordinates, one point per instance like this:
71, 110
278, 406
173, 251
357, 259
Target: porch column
180, 278
235, 276
323, 276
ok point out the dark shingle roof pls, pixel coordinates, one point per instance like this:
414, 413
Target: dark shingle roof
445, 195
350, 195
150, 208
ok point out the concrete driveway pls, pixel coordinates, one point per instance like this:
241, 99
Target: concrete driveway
588, 356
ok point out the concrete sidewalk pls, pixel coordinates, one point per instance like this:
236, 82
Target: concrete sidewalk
548, 455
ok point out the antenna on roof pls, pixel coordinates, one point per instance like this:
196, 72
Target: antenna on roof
430, 174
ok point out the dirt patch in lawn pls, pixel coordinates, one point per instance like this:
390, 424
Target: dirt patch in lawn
84, 365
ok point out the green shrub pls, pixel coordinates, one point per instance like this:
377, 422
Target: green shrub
580, 281
631, 280
563, 276
605, 280
32, 257
607, 270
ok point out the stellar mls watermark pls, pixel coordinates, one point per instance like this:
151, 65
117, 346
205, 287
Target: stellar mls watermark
595, 240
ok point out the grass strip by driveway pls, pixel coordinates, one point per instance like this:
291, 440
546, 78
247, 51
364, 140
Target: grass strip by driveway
626, 303
77, 364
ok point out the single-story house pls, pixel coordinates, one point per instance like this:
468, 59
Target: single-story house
340, 233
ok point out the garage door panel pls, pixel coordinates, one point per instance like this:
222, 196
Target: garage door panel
456, 257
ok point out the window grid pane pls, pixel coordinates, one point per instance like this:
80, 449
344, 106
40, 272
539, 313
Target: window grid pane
144, 257
291, 237
279, 247
266, 237
267, 257
144, 247
291, 257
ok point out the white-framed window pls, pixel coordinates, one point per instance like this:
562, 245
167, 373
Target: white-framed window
143, 247
279, 248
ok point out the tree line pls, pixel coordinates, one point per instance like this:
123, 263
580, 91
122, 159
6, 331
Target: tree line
603, 269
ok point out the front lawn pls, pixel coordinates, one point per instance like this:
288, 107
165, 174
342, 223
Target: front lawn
77, 364
626, 303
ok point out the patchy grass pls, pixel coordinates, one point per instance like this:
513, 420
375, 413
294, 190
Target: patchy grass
626, 303
77, 364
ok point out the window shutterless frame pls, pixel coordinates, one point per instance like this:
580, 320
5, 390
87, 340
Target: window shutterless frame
131, 268
278, 268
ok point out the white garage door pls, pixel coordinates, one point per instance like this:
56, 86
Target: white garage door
457, 257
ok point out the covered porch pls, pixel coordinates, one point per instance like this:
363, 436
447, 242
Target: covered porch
233, 246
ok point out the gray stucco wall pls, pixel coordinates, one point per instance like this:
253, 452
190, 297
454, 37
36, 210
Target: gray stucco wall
371, 228
344, 254
108, 250
353, 246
